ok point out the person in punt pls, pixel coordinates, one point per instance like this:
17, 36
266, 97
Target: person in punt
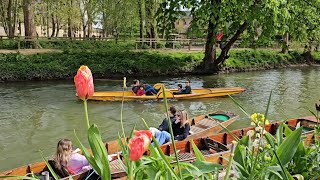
136, 86
70, 160
67, 162
141, 91
180, 127
180, 88
186, 89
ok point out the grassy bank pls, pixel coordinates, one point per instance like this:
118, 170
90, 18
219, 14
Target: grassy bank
111, 63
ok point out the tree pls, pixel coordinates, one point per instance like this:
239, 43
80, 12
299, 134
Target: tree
29, 25
8, 15
232, 18
304, 24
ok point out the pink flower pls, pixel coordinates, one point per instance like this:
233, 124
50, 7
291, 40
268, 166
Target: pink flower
139, 144
84, 83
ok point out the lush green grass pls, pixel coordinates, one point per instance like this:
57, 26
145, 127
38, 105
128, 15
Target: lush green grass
114, 62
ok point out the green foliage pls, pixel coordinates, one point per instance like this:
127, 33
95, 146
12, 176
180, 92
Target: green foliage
115, 61
102, 63
259, 155
99, 158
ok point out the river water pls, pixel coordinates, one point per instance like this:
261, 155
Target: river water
35, 115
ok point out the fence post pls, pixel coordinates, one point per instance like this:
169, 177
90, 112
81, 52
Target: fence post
189, 45
150, 43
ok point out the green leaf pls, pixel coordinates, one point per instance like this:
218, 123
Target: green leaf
270, 139
197, 152
206, 167
86, 153
239, 105
288, 147
18, 177
99, 152
275, 170
287, 130
279, 134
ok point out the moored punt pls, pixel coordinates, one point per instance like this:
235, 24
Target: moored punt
196, 94
203, 125
215, 148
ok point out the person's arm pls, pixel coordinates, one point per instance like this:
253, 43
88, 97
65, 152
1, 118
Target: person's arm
185, 133
164, 125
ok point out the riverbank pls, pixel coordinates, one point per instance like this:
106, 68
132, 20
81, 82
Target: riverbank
113, 63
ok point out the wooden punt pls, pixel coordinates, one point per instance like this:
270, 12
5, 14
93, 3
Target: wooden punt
216, 148
203, 125
196, 94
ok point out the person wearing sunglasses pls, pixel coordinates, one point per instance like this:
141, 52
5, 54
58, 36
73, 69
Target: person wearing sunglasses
186, 89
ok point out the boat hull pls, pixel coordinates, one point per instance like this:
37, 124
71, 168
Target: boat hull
196, 94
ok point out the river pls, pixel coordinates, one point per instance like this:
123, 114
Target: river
35, 115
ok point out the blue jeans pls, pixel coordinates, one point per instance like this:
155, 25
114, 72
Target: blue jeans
161, 136
149, 89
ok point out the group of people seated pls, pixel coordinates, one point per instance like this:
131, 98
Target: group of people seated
145, 89
179, 123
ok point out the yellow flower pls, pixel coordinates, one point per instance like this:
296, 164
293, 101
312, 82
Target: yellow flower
254, 117
258, 119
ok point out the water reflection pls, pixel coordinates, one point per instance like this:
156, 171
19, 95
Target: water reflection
35, 115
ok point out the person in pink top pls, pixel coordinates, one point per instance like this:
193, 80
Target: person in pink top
73, 162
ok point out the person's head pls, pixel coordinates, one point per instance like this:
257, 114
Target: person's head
172, 110
180, 85
136, 82
187, 82
182, 116
63, 153
141, 87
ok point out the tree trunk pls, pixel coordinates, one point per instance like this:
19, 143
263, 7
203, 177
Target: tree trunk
210, 48
142, 17
53, 26
70, 31
225, 48
285, 43
58, 27
9, 20
84, 30
29, 26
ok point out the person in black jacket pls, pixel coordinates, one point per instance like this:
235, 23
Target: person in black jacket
164, 126
181, 126
186, 89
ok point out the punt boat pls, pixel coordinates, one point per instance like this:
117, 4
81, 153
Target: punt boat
196, 94
203, 125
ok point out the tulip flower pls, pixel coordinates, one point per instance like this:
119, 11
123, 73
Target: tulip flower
84, 83
139, 144
84, 87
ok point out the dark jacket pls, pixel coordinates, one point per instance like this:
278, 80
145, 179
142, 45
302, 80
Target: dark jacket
186, 90
180, 133
135, 89
164, 126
